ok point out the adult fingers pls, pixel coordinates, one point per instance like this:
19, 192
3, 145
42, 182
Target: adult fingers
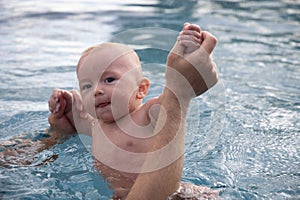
209, 42
178, 48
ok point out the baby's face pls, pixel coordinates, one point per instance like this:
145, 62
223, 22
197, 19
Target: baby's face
108, 81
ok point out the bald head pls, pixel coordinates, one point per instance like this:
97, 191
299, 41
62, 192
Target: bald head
109, 52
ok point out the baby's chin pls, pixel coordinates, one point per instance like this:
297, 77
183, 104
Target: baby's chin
106, 118
107, 115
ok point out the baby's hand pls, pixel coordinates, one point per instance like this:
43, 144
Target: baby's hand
82, 119
60, 102
60, 105
190, 37
53, 102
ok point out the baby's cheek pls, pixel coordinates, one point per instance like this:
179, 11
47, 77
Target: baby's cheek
89, 105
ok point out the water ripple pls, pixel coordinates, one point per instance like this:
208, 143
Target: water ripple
256, 156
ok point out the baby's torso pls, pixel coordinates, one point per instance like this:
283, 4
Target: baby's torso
116, 148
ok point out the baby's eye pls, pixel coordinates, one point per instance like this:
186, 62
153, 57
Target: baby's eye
86, 86
109, 80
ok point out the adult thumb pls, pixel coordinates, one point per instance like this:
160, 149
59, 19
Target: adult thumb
178, 49
209, 42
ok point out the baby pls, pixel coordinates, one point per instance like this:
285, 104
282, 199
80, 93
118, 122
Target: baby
109, 108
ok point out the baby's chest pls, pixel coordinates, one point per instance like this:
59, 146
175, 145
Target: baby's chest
129, 143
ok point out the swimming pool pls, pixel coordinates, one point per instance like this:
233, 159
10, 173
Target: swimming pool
256, 154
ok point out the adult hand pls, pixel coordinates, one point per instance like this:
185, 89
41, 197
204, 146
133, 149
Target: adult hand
190, 75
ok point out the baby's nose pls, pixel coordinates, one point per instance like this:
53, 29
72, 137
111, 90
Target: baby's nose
99, 90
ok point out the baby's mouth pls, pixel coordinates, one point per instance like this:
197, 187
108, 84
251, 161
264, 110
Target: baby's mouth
102, 105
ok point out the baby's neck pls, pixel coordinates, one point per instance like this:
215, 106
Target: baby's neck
133, 116
136, 122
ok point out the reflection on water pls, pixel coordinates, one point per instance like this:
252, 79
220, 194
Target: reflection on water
257, 154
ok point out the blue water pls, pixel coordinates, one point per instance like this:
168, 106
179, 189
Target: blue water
243, 136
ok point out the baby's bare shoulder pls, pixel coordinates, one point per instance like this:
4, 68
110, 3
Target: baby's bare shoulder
154, 101
151, 109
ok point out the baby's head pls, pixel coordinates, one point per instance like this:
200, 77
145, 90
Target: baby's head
111, 81
108, 52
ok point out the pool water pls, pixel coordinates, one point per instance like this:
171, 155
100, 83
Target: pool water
242, 136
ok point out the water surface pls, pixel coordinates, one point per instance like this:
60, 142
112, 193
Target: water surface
252, 116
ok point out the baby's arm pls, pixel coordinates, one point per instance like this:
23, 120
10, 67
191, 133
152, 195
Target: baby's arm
61, 117
67, 113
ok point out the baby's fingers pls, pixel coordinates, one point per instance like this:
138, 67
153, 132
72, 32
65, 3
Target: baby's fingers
194, 27
78, 105
60, 106
69, 99
77, 100
189, 44
192, 33
51, 106
54, 100
190, 37
82, 119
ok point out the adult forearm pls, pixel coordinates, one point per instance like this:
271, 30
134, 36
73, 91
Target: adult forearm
61, 125
167, 164
158, 184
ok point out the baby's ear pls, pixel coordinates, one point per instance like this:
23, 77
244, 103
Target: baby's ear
143, 88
